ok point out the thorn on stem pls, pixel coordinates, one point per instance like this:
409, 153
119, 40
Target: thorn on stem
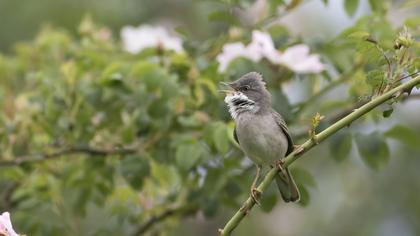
298, 149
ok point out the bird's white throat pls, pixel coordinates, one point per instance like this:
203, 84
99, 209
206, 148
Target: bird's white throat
238, 103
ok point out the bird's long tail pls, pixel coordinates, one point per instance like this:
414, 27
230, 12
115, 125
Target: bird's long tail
287, 186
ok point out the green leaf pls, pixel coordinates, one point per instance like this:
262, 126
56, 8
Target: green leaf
303, 177
223, 16
182, 30
387, 113
304, 195
373, 149
151, 74
404, 135
377, 5
412, 22
188, 154
134, 168
113, 74
166, 175
274, 4
351, 6
340, 145
359, 35
269, 200
221, 137
376, 78
210, 207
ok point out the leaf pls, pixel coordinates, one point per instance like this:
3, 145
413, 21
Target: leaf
410, 4
274, 4
303, 177
404, 135
359, 35
188, 154
304, 195
375, 78
210, 207
183, 31
151, 74
292, 4
221, 137
387, 113
351, 6
269, 200
166, 175
340, 145
223, 16
113, 74
377, 5
134, 168
373, 149
412, 22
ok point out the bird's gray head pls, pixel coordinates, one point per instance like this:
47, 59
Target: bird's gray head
249, 94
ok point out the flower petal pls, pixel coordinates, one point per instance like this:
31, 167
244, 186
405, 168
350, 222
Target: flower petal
298, 59
146, 36
6, 225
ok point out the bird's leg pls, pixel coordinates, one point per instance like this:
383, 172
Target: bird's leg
255, 193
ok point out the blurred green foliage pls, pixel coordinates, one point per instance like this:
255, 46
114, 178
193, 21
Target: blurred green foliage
66, 91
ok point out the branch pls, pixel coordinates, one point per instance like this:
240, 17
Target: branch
184, 210
249, 203
69, 151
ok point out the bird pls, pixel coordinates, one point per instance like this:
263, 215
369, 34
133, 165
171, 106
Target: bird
261, 132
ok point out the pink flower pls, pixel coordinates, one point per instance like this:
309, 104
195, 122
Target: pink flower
263, 45
146, 36
6, 225
231, 51
298, 59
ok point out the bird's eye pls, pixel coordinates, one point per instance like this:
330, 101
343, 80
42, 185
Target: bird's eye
246, 87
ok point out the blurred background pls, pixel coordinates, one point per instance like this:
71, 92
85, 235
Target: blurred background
112, 123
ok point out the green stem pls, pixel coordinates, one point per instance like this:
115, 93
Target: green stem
346, 121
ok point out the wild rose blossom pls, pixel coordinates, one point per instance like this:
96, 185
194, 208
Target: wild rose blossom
135, 39
231, 51
6, 225
297, 58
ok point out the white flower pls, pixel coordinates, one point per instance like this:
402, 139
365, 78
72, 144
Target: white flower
6, 225
146, 36
231, 51
298, 59
263, 45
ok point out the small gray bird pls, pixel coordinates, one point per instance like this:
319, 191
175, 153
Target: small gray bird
260, 131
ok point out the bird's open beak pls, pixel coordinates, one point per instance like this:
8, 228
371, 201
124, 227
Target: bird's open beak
230, 87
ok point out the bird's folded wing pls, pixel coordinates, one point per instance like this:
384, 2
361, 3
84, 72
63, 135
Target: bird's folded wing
280, 122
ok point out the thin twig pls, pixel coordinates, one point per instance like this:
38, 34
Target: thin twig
69, 151
249, 203
183, 210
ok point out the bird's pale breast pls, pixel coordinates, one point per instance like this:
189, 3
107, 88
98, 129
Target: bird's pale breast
261, 138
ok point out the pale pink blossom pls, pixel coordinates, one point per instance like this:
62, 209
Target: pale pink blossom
6, 225
135, 39
231, 51
263, 45
298, 59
